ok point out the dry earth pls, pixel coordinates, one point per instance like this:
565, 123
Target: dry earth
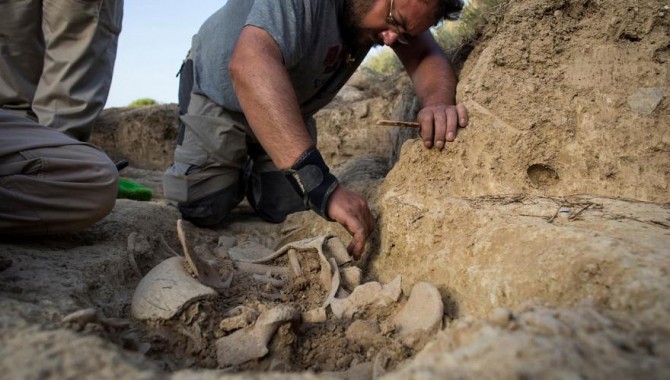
545, 226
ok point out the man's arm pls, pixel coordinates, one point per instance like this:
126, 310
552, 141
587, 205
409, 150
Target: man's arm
270, 104
435, 84
267, 97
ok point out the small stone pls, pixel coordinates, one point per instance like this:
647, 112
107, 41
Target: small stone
645, 100
341, 307
361, 371
381, 362
240, 317
500, 317
278, 365
543, 324
350, 94
225, 243
391, 292
361, 110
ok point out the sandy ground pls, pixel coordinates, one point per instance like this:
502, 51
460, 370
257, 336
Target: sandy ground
545, 229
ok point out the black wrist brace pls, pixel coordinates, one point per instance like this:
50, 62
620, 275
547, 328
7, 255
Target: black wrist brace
313, 181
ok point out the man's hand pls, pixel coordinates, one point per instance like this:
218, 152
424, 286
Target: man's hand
440, 122
352, 212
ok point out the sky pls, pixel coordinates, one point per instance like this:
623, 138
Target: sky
155, 38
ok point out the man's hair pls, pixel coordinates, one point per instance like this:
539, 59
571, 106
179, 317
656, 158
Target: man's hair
449, 9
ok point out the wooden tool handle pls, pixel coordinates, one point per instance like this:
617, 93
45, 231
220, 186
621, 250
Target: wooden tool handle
398, 123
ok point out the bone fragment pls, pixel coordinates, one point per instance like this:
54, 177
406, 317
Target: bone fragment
262, 268
317, 315
336, 249
251, 342
335, 281
351, 277
326, 272
421, 315
293, 261
171, 251
206, 273
91, 315
266, 279
371, 293
117, 323
131, 254
82, 317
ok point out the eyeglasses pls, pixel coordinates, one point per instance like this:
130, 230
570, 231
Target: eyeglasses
403, 37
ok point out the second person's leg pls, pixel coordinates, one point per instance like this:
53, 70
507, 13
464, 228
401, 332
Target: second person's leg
21, 55
81, 40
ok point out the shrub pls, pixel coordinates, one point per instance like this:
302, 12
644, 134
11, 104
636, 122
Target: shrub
383, 61
449, 35
453, 35
142, 102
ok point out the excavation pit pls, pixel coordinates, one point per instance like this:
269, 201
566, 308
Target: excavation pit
300, 308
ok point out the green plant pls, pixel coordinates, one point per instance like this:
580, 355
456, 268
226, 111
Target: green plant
383, 61
142, 102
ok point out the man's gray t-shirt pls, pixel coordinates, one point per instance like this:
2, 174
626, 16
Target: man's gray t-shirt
308, 33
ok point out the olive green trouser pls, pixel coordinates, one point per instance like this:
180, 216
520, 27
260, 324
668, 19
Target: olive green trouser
220, 161
49, 182
57, 59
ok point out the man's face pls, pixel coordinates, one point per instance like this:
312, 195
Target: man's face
377, 22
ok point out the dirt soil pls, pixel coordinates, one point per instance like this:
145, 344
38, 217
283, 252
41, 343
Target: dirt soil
545, 227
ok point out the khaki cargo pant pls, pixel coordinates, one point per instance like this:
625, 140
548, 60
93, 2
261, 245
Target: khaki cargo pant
57, 59
219, 162
49, 182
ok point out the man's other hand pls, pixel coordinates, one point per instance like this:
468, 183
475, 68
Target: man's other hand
353, 213
440, 122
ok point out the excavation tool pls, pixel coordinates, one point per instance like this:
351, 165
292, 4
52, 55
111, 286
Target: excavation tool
129, 189
398, 123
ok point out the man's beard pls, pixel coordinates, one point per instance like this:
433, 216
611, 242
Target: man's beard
354, 35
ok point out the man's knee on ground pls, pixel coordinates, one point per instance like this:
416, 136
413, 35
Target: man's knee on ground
206, 196
98, 197
108, 181
212, 209
56, 190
